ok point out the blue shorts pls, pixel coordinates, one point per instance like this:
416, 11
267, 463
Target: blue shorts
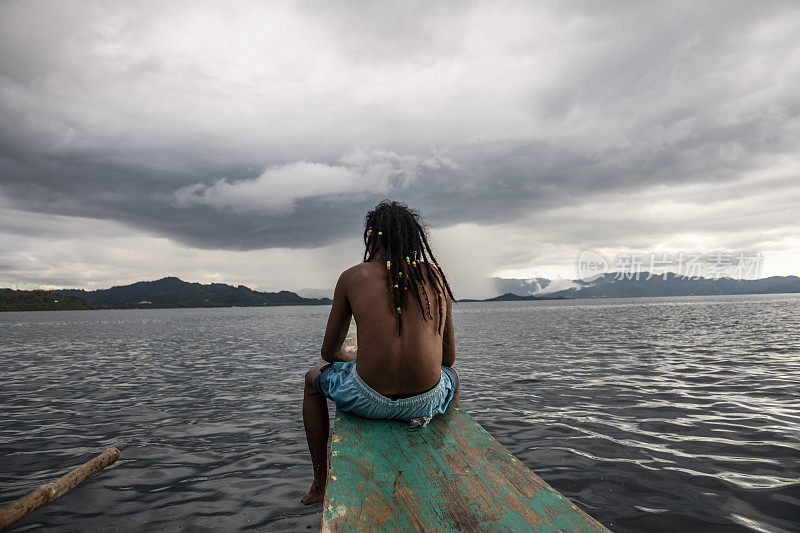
341, 383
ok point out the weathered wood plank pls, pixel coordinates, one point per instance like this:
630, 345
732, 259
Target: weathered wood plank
351, 341
450, 476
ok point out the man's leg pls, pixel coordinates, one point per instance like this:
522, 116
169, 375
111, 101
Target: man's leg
456, 395
315, 418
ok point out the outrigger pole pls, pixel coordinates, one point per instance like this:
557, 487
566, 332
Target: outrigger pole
52, 491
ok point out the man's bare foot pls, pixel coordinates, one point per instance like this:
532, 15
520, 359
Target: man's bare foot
315, 495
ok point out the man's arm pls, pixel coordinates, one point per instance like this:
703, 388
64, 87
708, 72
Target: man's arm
448, 337
338, 324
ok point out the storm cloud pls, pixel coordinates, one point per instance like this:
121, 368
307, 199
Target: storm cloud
265, 131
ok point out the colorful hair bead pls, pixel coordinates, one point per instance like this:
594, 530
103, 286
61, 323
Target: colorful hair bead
399, 311
440, 294
408, 260
380, 233
388, 265
414, 263
405, 288
401, 274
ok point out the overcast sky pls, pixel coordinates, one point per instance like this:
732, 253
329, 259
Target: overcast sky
243, 142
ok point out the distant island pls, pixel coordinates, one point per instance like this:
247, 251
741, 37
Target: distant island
165, 293
511, 297
171, 292
14, 300
615, 285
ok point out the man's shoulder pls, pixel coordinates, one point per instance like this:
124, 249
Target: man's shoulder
358, 272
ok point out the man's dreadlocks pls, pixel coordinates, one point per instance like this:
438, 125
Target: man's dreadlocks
395, 229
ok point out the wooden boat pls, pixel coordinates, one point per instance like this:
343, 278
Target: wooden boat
451, 475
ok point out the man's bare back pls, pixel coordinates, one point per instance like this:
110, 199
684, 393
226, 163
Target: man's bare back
389, 363
403, 368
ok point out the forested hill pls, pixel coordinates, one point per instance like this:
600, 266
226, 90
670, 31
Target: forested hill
13, 300
172, 292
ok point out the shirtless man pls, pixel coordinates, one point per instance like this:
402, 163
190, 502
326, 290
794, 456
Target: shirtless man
402, 303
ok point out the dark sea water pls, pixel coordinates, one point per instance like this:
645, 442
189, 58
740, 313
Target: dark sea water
662, 414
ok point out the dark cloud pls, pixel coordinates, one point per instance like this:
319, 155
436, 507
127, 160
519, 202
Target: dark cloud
259, 126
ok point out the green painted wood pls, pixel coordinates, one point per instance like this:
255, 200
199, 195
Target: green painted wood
451, 475
351, 341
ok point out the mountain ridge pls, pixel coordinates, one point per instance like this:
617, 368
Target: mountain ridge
616, 285
171, 292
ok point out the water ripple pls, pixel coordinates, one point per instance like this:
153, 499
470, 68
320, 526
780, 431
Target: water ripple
669, 414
